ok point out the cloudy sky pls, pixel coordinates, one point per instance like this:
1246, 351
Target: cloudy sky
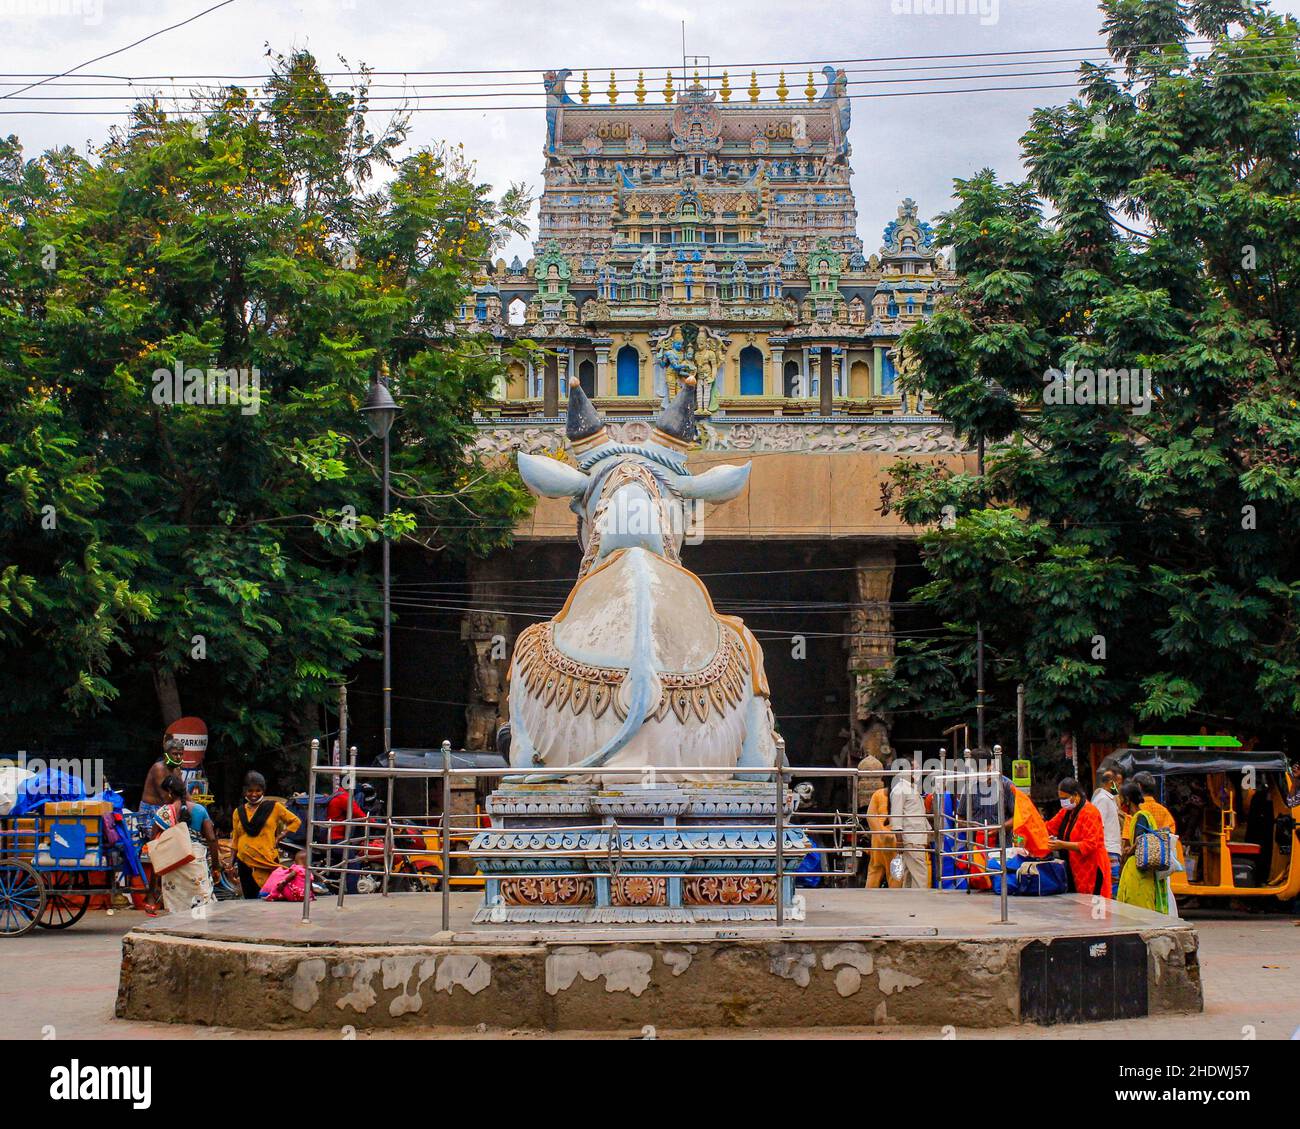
902, 146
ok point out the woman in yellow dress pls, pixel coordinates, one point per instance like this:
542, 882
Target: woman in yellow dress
256, 831
1141, 888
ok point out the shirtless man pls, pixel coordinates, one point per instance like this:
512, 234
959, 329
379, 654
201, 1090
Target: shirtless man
152, 797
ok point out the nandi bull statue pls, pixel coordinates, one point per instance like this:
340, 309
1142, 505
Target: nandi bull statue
638, 670
637, 681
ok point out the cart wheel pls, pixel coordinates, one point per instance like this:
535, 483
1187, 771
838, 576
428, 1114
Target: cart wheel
22, 898
62, 906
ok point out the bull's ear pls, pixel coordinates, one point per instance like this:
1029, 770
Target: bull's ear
717, 484
551, 478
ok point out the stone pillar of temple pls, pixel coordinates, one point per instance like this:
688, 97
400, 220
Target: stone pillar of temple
487, 632
572, 353
827, 383
805, 375
777, 385
551, 386
871, 646
602, 371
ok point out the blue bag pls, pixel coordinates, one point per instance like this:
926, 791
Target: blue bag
1030, 877
1040, 878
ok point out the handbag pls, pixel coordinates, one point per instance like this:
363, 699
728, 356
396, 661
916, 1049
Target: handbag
1154, 851
173, 848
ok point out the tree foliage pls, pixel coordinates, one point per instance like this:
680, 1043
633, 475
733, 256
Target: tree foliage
1132, 569
215, 551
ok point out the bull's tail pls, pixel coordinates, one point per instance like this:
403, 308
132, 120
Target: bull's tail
642, 685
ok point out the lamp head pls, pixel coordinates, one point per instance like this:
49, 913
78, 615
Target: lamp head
379, 410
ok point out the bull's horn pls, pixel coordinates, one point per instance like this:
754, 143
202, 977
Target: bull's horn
675, 426
584, 427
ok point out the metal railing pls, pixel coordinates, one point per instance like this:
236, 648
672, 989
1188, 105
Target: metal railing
834, 834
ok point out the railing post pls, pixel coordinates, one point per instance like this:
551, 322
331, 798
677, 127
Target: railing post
1002, 844
446, 836
388, 823
345, 842
969, 836
311, 824
855, 800
780, 844
940, 816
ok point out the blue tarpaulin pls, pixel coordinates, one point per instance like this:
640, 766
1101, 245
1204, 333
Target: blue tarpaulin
53, 786
48, 786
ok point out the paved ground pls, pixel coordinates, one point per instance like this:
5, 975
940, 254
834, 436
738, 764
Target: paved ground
837, 915
63, 984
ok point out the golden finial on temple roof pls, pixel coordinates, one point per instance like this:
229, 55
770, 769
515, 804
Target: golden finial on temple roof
725, 88
613, 89
782, 91
668, 88
640, 86
585, 91
753, 86
811, 88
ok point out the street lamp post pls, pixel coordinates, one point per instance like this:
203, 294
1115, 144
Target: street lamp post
379, 411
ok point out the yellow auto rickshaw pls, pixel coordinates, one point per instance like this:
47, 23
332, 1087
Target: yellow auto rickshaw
1235, 810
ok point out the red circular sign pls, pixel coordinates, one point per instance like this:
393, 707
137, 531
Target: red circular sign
193, 736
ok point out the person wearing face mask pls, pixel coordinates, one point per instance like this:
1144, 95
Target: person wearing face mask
1077, 831
259, 825
1106, 800
153, 798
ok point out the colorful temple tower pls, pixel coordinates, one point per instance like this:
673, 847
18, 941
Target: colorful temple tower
711, 233
711, 237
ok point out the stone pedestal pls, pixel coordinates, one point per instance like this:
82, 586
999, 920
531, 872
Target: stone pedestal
677, 852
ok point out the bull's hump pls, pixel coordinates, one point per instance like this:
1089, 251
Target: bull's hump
596, 625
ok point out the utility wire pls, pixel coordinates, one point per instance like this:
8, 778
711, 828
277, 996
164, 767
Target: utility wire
1091, 49
130, 84
412, 91
120, 50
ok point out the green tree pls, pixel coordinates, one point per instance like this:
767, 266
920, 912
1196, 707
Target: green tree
1132, 569
217, 552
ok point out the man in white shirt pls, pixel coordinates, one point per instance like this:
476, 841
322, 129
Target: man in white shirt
1103, 799
911, 824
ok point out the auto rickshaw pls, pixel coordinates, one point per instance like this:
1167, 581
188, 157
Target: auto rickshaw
1235, 810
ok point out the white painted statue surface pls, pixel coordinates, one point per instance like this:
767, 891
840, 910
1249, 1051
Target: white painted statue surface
637, 673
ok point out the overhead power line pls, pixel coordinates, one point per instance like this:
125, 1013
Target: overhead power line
674, 67
132, 82
120, 50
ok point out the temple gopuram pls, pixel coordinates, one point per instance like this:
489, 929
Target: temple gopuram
711, 233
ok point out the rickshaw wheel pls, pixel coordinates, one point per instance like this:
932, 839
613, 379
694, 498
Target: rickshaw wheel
62, 907
22, 898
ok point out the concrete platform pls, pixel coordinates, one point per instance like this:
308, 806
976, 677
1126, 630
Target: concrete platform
860, 957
